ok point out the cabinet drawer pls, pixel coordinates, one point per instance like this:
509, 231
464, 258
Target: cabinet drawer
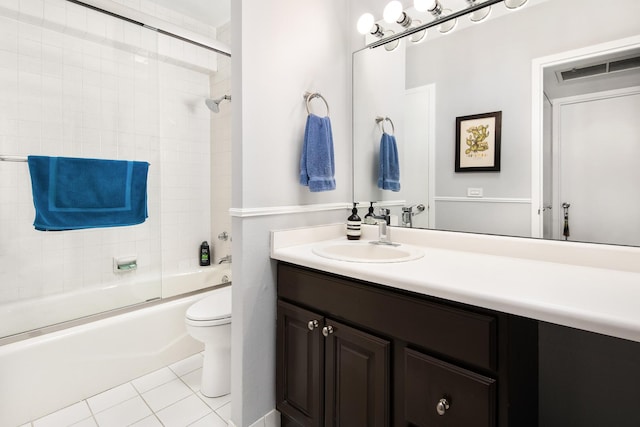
469, 398
454, 333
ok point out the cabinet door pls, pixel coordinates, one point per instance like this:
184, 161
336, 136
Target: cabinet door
299, 365
357, 380
438, 394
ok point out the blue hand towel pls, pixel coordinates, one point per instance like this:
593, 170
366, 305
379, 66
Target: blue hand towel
70, 193
317, 166
389, 170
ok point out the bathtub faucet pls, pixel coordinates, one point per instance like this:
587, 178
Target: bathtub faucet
226, 258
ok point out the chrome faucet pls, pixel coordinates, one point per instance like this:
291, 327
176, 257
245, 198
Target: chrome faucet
383, 219
226, 258
407, 214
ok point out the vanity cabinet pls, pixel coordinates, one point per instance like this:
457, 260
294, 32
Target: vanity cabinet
353, 353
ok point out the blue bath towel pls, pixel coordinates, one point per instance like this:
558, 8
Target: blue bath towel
71, 193
317, 166
389, 170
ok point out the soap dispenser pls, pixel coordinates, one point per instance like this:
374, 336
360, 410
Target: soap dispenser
368, 218
353, 224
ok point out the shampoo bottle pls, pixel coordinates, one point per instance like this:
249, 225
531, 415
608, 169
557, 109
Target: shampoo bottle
205, 254
353, 224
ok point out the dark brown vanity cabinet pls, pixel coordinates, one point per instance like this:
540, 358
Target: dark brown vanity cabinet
330, 371
351, 353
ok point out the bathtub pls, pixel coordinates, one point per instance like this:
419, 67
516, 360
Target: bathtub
42, 374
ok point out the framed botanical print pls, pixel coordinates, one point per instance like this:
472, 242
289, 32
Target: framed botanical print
478, 142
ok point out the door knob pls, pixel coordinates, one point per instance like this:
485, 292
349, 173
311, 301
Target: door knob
327, 330
442, 406
312, 324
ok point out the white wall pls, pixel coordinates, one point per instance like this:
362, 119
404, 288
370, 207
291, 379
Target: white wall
281, 49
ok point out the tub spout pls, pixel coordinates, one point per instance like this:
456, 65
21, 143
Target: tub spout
226, 258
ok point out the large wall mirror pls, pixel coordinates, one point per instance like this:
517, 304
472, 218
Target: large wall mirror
565, 76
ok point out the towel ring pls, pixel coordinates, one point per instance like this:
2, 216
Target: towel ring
308, 96
380, 120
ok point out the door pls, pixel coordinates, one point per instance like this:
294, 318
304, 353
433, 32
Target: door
598, 146
299, 365
357, 377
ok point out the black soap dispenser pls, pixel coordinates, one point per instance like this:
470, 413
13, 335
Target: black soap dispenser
368, 218
205, 254
353, 224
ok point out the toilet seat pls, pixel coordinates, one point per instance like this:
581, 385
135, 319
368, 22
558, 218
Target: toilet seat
212, 310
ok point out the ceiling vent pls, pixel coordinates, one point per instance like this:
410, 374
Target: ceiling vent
599, 69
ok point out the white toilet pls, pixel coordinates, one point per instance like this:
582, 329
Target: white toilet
209, 321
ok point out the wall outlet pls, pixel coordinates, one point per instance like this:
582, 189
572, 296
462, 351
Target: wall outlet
474, 192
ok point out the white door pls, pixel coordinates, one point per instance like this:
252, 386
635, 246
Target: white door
597, 141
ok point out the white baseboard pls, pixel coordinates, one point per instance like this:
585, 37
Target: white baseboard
272, 419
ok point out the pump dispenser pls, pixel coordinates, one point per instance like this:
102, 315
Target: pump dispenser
353, 224
368, 218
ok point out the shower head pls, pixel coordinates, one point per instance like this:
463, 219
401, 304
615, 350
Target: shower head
214, 104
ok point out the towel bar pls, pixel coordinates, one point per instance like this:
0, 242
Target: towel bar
308, 96
4, 158
380, 120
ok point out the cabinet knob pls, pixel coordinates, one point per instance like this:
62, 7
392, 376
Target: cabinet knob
312, 324
442, 406
327, 330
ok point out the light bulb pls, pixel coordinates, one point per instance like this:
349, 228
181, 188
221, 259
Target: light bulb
424, 5
392, 11
365, 22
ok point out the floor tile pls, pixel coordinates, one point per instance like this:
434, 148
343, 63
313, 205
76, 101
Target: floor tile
211, 420
193, 379
150, 421
187, 365
124, 414
154, 379
225, 412
184, 412
215, 402
89, 422
109, 398
166, 394
65, 417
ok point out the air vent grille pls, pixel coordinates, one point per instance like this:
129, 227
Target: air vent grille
578, 73
624, 64
599, 69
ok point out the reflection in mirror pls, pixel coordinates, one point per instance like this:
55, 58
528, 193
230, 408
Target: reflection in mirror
487, 67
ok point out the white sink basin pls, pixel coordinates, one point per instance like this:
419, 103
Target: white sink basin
366, 252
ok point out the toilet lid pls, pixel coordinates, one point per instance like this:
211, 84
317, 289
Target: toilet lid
215, 306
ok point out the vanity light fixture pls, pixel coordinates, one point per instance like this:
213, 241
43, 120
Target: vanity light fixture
366, 24
435, 8
514, 4
478, 15
393, 13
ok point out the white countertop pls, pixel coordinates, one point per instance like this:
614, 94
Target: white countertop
585, 286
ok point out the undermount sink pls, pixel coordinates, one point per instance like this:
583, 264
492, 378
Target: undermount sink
367, 252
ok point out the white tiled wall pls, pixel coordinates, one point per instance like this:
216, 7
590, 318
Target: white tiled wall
75, 82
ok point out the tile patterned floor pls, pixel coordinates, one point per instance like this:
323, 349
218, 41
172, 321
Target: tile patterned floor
168, 397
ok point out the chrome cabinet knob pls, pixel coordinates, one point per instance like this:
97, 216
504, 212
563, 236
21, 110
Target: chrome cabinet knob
327, 330
442, 406
312, 324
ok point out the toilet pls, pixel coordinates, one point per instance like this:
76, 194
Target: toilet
209, 321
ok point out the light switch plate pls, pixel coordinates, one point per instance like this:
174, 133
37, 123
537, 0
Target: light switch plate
474, 192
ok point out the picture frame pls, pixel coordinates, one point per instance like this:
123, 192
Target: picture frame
478, 140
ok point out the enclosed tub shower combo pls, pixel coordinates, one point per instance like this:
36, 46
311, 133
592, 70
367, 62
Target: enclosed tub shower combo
105, 196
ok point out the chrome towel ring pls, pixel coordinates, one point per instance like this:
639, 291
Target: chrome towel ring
380, 120
308, 96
